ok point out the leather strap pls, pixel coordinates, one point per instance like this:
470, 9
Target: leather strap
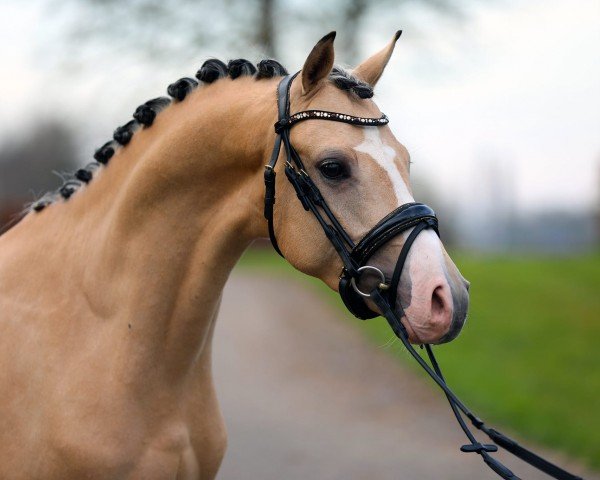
393, 290
283, 94
458, 407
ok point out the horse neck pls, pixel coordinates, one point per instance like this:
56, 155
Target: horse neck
149, 244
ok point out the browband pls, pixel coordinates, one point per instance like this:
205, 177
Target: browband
292, 120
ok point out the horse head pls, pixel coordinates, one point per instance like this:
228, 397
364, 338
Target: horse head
362, 173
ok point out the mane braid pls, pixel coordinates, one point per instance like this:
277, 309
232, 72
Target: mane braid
144, 115
86, 173
346, 81
105, 152
212, 70
43, 202
181, 88
124, 133
270, 68
69, 188
239, 67
83, 175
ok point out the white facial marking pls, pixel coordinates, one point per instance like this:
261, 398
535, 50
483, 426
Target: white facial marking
384, 156
431, 257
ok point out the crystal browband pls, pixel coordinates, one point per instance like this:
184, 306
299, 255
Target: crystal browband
290, 121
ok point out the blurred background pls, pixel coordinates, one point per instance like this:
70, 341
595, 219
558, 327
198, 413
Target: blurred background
498, 102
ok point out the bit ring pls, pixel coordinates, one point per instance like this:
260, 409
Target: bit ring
382, 285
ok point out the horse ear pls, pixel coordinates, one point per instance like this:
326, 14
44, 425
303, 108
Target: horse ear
319, 63
371, 69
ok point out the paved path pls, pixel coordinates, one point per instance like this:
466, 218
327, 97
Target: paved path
305, 396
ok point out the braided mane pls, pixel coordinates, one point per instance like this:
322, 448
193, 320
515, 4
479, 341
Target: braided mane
144, 115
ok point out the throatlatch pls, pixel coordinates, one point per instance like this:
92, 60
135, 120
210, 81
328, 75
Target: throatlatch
415, 216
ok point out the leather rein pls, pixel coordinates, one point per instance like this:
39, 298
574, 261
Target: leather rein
355, 257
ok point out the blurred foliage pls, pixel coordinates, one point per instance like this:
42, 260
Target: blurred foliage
163, 28
527, 357
29, 165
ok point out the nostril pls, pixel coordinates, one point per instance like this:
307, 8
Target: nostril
467, 284
440, 317
437, 301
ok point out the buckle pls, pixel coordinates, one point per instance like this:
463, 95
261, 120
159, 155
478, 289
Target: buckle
281, 125
478, 447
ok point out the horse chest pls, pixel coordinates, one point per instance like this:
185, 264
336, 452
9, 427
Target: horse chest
83, 426
127, 449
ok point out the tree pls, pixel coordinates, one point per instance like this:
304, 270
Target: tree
162, 28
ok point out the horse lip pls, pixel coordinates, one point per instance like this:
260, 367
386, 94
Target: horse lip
456, 326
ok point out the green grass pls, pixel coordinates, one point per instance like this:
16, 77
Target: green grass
528, 356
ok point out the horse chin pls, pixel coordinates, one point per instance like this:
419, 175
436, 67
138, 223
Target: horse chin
453, 332
422, 334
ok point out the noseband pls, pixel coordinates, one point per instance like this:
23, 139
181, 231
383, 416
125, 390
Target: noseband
355, 257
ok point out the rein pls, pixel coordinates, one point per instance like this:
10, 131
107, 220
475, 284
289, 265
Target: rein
415, 216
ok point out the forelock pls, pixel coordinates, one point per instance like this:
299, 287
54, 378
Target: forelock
344, 80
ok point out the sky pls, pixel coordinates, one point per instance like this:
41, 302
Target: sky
501, 108
521, 91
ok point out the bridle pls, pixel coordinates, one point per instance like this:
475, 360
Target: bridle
354, 256
415, 216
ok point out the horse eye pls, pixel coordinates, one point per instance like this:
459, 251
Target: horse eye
333, 170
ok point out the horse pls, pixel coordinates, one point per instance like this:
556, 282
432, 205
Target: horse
110, 287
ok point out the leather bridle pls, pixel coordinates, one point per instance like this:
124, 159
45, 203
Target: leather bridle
354, 256
415, 216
